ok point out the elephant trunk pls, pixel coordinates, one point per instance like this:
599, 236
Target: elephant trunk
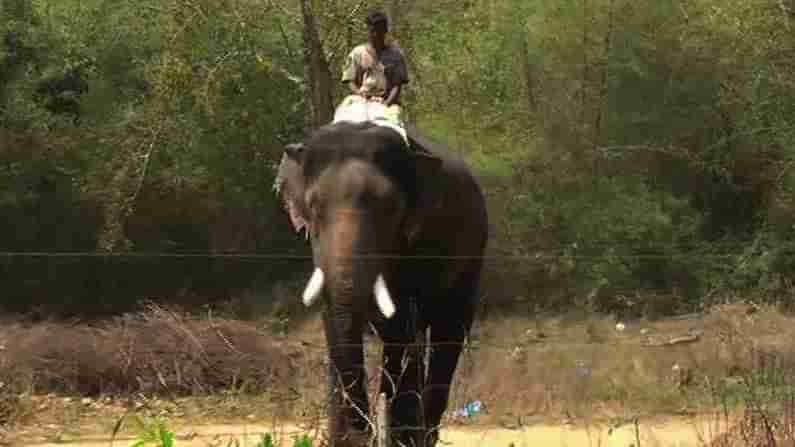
349, 406
348, 277
348, 269
347, 281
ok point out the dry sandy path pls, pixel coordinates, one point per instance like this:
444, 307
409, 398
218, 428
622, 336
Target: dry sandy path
676, 433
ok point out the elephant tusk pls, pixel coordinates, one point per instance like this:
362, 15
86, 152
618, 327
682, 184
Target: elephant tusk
382, 297
314, 288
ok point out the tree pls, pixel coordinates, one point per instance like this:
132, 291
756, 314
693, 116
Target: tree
318, 91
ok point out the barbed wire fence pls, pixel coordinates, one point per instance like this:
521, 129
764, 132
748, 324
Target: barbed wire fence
502, 379
506, 389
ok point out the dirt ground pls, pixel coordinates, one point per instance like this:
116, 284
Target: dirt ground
682, 432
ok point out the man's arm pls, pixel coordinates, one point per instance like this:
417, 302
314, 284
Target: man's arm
393, 96
399, 77
352, 73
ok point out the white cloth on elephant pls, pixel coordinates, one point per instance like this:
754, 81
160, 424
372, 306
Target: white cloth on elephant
357, 109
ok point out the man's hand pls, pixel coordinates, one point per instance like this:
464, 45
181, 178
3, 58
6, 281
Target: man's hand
363, 93
394, 94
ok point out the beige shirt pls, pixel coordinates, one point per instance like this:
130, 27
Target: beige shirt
377, 74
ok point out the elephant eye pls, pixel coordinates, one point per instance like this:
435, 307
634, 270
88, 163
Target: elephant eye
310, 201
313, 203
389, 205
367, 199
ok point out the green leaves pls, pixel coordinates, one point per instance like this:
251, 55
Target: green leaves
154, 434
624, 128
168, 141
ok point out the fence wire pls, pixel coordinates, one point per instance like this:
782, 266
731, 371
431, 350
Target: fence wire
304, 257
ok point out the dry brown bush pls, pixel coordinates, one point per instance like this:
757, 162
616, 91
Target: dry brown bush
159, 350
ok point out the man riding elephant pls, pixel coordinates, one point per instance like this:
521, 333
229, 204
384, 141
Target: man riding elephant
376, 71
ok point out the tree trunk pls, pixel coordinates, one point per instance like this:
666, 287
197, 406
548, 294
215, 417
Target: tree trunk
603, 88
317, 74
382, 418
398, 12
530, 84
393, 12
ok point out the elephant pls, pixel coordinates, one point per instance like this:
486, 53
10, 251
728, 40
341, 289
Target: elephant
397, 233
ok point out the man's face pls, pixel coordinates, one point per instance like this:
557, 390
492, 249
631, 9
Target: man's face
377, 33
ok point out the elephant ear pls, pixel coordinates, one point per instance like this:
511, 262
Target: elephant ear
429, 194
289, 186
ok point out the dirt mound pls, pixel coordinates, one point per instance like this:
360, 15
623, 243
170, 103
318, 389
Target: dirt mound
157, 350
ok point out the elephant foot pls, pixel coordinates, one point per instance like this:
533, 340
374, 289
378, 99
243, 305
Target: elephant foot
431, 438
409, 438
354, 438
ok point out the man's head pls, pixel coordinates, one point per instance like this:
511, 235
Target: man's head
377, 27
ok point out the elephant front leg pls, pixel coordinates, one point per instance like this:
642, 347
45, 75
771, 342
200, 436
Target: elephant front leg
401, 381
448, 331
348, 404
447, 342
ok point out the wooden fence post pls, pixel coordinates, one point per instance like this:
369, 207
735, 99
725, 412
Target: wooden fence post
382, 422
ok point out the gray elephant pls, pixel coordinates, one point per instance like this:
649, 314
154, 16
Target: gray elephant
398, 238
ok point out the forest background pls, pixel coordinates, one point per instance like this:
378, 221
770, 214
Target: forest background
637, 155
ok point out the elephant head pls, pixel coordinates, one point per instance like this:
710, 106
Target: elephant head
360, 194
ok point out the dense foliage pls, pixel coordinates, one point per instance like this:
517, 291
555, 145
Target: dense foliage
636, 154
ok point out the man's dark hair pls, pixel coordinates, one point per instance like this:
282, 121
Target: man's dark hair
376, 18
